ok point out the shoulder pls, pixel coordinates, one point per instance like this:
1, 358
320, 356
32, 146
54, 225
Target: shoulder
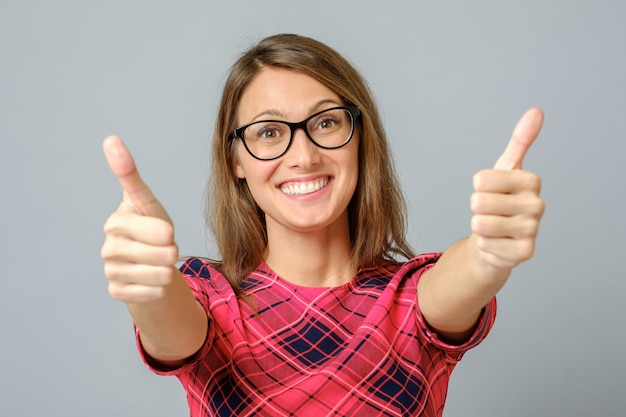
198, 268
204, 278
419, 263
396, 277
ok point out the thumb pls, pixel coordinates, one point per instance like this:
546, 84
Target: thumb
524, 134
136, 193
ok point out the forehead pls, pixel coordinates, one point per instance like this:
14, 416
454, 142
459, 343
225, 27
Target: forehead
284, 93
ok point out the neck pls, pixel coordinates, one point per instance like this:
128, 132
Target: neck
313, 259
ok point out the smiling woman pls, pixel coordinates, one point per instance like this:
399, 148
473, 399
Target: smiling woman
310, 311
376, 213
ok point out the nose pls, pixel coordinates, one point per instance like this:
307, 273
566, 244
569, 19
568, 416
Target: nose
302, 153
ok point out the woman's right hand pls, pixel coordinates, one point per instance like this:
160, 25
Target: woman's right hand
139, 250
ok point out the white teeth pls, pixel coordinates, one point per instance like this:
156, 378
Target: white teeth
304, 188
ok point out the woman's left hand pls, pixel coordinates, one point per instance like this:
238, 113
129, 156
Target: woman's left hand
506, 204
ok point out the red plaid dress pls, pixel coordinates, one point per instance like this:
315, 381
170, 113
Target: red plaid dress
361, 349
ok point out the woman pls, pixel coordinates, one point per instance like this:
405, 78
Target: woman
308, 312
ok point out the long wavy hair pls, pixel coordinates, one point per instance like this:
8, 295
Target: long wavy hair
377, 210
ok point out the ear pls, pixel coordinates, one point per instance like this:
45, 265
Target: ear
239, 173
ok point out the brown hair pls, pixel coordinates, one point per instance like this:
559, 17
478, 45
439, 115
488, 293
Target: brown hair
377, 211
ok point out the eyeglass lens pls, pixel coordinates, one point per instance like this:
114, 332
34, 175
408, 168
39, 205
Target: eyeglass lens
269, 139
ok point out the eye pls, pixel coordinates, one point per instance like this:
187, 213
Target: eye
268, 132
327, 123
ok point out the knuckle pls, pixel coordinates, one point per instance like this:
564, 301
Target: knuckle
476, 201
156, 293
168, 231
540, 207
116, 291
479, 179
526, 249
109, 225
104, 251
163, 276
475, 224
532, 205
530, 181
110, 271
108, 250
114, 273
488, 203
534, 182
163, 231
112, 224
170, 276
170, 254
111, 249
523, 227
482, 243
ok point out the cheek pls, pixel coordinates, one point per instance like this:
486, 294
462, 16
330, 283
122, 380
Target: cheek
252, 170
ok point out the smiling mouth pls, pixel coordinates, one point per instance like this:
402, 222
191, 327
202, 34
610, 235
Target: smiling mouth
302, 188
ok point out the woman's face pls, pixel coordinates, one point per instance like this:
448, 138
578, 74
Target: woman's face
308, 188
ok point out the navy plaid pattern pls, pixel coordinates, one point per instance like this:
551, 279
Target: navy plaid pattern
361, 349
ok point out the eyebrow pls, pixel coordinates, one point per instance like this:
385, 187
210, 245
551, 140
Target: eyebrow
313, 109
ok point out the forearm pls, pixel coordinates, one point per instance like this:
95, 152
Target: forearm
172, 327
452, 294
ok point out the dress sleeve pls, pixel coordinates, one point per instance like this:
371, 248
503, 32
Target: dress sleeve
455, 352
197, 273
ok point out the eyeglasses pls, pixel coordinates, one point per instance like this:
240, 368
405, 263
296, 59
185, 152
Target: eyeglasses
270, 139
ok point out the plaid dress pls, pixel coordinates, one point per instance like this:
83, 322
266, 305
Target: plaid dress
360, 349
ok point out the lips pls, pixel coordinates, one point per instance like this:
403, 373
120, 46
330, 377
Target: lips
302, 188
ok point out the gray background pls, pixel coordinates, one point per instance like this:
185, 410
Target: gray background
451, 78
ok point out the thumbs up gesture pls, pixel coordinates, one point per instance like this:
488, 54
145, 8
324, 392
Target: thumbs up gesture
139, 248
506, 204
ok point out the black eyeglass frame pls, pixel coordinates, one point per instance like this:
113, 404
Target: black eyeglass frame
352, 110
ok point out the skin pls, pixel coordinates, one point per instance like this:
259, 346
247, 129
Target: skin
308, 235
140, 253
506, 210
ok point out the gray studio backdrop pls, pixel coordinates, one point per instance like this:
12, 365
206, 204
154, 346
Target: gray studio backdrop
451, 78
